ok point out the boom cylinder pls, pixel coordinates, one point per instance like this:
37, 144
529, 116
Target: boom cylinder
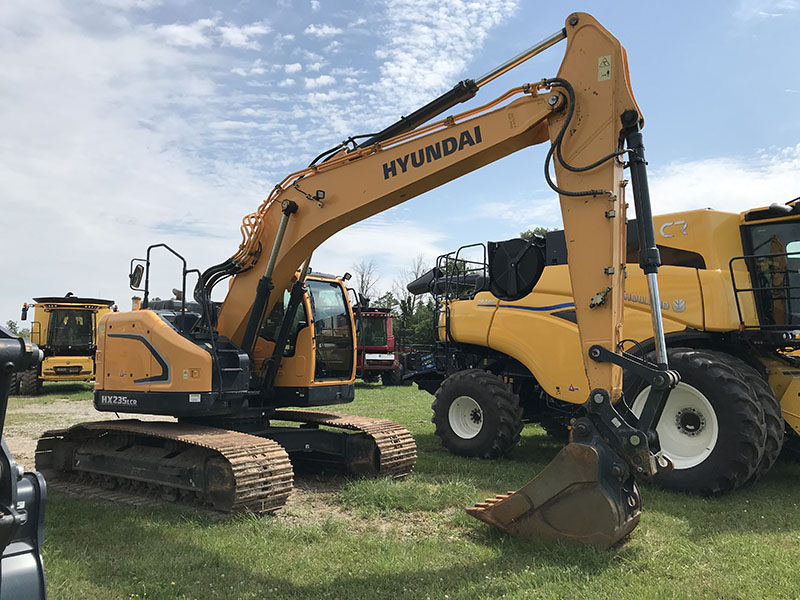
265, 285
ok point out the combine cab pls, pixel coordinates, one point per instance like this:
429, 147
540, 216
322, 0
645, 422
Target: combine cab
377, 352
65, 329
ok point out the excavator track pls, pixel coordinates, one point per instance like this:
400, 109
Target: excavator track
397, 450
227, 470
136, 462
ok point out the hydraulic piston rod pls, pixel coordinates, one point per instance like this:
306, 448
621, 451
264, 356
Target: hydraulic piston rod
522, 57
461, 92
649, 256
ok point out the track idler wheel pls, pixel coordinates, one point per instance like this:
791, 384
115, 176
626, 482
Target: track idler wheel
585, 494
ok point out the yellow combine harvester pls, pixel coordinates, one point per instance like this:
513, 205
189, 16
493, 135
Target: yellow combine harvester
730, 299
65, 329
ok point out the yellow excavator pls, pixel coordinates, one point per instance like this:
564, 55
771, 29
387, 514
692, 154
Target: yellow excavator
227, 380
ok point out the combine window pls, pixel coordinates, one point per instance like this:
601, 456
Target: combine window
71, 328
774, 263
334, 334
373, 331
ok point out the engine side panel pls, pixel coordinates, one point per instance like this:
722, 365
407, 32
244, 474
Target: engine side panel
138, 351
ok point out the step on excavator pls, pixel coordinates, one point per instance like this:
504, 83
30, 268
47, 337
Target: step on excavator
227, 380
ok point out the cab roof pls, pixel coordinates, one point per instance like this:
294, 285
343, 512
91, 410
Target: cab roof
72, 300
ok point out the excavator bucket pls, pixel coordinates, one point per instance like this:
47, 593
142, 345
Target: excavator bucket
585, 494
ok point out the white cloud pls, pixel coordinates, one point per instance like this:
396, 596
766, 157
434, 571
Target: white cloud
321, 81
241, 36
192, 35
257, 68
286, 82
391, 241
101, 146
130, 4
322, 31
731, 184
315, 5
293, 68
749, 10
204, 33
429, 45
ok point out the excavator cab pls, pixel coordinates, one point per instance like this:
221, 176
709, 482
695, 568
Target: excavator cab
319, 350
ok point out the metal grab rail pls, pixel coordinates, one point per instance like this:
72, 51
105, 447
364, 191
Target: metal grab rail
146, 289
752, 270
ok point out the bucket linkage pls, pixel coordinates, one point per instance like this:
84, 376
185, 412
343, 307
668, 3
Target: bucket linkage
588, 492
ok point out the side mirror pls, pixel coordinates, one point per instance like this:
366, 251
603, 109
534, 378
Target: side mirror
136, 276
25, 311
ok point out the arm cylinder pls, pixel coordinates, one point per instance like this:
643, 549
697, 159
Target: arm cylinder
649, 257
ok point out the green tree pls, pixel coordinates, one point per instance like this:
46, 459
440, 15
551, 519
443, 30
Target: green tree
407, 303
529, 233
421, 324
386, 301
14, 328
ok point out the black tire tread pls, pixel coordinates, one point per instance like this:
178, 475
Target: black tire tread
737, 457
773, 415
504, 403
29, 382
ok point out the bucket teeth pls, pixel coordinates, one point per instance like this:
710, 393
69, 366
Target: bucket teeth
489, 502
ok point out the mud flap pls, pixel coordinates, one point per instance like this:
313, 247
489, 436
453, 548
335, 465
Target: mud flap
585, 494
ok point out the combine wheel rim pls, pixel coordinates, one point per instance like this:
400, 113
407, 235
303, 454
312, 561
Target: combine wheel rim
688, 430
466, 417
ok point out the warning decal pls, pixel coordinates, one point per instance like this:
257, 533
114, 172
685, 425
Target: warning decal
604, 68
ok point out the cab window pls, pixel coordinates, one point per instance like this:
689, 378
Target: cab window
333, 331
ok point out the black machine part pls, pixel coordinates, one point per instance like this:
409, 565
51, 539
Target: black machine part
515, 267
22, 496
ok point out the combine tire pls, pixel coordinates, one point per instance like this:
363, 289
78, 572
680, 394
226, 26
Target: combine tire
29, 383
476, 414
713, 426
773, 415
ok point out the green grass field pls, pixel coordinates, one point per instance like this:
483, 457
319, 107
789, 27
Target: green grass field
412, 540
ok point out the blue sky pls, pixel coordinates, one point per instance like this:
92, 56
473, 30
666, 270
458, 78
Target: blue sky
130, 122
